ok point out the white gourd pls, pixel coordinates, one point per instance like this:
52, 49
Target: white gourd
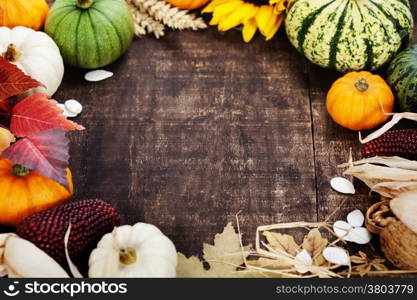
139, 251
36, 54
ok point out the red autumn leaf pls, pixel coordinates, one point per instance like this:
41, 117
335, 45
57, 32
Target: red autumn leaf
45, 152
13, 81
6, 107
38, 113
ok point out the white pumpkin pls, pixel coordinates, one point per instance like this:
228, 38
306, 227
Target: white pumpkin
36, 54
139, 251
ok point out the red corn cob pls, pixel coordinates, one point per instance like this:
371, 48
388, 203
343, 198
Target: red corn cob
90, 220
401, 143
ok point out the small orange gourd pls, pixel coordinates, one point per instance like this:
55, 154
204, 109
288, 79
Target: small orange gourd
360, 100
188, 4
28, 13
24, 192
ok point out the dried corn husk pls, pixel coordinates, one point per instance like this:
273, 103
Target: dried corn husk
20, 258
389, 161
396, 117
394, 189
388, 176
405, 208
372, 175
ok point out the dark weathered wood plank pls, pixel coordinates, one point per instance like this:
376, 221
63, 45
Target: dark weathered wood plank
194, 128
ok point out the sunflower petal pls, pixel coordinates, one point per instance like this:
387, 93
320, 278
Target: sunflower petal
224, 10
273, 30
280, 5
263, 18
238, 16
210, 7
249, 30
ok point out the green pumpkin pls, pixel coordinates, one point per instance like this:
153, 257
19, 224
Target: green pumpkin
402, 76
349, 35
90, 33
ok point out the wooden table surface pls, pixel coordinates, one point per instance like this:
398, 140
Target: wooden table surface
197, 126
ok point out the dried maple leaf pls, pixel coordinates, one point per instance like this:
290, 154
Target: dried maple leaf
45, 152
13, 81
314, 243
282, 242
38, 113
223, 257
365, 265
6, 138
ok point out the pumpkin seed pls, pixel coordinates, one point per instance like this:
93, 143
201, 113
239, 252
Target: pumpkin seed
336, 256
97, 75
73, 106
356, 218
360, 235
342, 229
342, 185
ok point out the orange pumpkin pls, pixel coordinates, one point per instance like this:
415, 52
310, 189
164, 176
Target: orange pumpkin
187, 4
28, 13
24, 192
360, 100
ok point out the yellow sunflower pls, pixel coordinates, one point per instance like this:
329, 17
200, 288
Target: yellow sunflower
265, 15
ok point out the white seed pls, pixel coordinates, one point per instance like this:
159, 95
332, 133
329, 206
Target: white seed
305, 258
97, 75
65, 111
356, 218
360, 235
342, 229
73, 106
336, 256
342, 185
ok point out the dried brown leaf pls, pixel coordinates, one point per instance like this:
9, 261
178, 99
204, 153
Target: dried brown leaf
282, 242
224, 256
314, 243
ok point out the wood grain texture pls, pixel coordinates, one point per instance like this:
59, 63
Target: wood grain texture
186, 134
197, 126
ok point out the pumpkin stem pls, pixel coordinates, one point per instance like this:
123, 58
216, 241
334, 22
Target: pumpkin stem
127, 256
20, 171
11, 53
362, 85
85, 4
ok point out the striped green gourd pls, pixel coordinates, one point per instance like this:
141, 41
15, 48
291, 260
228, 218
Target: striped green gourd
90, 33
402, 76
349, 35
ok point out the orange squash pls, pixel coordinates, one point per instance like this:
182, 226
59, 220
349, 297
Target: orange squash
28, 13
24, 192
360, 100
187, 4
